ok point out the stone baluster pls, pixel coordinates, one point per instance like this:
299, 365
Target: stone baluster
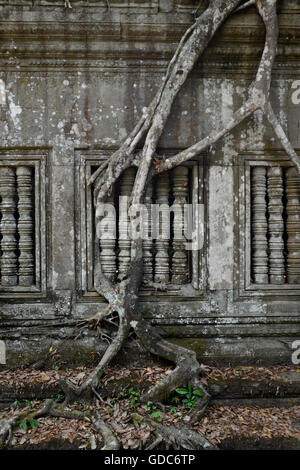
293, 225
25, 226
107, 242
162, 263
126, 185
276, 226
147, 236
259, 226
179, 257
8, 226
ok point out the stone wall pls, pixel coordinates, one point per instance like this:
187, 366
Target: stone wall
72, 84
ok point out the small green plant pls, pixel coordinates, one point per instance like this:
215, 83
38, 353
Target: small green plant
56, 368
31, 421
28, 403
174, 410
122, 394
134, 403
156, 416
59, 396
188, 395
134, 394
150, 406
16, 403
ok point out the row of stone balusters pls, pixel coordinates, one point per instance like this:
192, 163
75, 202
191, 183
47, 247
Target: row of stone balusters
158, 266
270, 263
16, 227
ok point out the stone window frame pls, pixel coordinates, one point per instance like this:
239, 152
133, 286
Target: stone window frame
84, 160
246, 289
36, 159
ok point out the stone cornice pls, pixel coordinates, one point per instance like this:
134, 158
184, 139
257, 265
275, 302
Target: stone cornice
119, 42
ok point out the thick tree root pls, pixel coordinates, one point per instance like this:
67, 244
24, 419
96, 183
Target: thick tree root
173, 437
7, 425
187, 367
110, 441
85, 391
59, 411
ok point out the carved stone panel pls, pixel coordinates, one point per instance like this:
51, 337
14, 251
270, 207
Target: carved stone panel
8, 227
162, 256
179, 255
23, 227
293, 226
276, 226
269, 249
259, 226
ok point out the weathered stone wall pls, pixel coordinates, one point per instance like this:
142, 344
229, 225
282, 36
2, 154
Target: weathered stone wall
74, 81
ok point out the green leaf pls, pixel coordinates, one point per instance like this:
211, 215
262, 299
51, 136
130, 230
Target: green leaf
156, 414
23, 425
198, 393
33, 423
182, 391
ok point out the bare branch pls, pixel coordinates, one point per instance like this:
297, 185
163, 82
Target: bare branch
246, 5
239, 116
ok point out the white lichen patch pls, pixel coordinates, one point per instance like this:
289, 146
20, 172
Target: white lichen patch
2, 92
14, 110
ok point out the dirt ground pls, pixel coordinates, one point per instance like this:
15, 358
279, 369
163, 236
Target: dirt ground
220, 422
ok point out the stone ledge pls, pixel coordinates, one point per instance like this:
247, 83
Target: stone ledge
230, 391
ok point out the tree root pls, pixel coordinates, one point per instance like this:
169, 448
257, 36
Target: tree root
110, 441
97, 318
58, 411
173, 437
85, 391
187, 367
7, 425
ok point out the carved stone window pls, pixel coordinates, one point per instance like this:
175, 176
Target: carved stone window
166, 261
270, 206
275, 228
22, 225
